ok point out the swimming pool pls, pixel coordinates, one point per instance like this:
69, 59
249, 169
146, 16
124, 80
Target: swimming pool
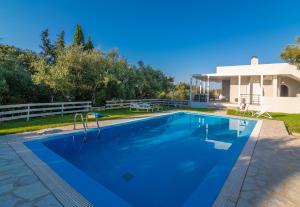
180, 159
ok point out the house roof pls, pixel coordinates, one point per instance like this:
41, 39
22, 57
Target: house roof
252, 70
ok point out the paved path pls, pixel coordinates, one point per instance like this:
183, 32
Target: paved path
19, 186
221, 112
273, 177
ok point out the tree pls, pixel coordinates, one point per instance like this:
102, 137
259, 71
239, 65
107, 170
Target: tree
181, 91
89, 44
78, 36
291, 53
4, 88
60, 43
16, 85
48, 50
77, 72
43, 76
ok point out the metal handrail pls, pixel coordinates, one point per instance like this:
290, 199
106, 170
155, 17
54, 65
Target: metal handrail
82, 120
86, 120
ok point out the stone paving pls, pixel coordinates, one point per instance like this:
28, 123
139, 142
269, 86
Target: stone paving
273, 177
19, 186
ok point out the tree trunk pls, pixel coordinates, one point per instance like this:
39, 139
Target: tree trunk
94, 98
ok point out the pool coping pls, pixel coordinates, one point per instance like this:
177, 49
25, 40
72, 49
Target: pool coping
229, 194
64, 193
68, 196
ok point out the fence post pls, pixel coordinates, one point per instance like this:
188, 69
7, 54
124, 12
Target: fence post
62, 109
28, 112
89, 106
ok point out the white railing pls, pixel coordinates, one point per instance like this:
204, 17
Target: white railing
19, 111
117, 104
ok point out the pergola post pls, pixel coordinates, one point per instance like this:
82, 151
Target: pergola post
207, 89
191, 88
275, 86
239, 90
200, 87
261, 90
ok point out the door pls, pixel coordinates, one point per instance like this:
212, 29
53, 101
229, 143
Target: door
284, 91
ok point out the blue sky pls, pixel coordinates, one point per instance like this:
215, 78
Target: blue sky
178, 37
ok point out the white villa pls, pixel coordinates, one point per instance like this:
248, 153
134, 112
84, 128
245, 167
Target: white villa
276, 86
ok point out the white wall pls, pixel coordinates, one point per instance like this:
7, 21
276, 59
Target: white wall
278, 104
233, 89
249, 85
283, 104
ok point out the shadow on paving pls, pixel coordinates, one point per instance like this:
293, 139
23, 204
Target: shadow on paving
273, 177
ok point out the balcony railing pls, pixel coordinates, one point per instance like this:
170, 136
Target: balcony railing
253, 99
203, 98
200, 98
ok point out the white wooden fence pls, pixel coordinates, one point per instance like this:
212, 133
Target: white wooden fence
117, 104
27, 111
18, 111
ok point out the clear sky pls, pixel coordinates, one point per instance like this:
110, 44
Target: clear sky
178, 37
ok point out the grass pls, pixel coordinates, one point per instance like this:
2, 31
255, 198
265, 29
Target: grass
206, 110
292, 121
38, 123
21, 125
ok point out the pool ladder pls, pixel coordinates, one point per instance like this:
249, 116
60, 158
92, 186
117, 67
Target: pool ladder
85, 121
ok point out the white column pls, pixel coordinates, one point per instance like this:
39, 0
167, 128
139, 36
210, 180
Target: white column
197, 81
275, 87
207, 89
261, 90
239, 89
191, 85
200, 87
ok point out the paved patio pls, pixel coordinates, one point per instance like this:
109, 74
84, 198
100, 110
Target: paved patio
273, 177
19, 186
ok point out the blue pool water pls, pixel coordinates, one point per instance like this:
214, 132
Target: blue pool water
180, 159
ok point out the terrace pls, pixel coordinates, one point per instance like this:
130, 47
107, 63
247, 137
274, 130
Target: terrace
259, 85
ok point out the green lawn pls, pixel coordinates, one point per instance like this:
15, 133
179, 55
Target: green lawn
292, 121
206, 110
21, 125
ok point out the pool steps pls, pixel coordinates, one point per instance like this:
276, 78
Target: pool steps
85, 121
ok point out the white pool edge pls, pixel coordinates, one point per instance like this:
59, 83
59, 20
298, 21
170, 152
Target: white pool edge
230, 191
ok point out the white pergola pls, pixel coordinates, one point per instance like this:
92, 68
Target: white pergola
202, 82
